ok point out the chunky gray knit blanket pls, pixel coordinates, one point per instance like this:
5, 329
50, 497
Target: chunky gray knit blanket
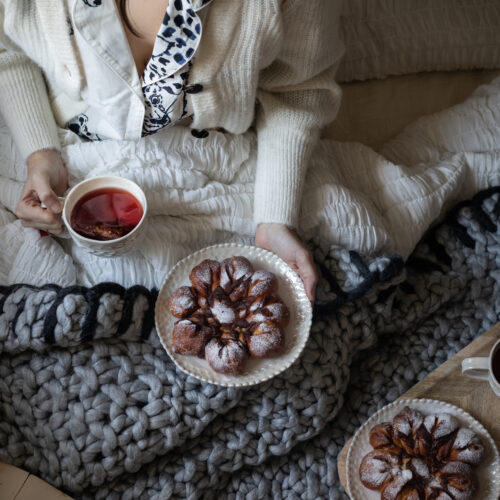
91, 402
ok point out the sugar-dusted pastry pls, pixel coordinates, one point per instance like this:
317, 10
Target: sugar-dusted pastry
266, 340
183, 301
419, 469
378, 468
226, 356
440, 425
458, 480
262, 283
441, 428
401, 488
234, 275
467, 447
419, 457
190, 338
229, 312
406, 425
205, 277
222, 308
270, 309
381, 438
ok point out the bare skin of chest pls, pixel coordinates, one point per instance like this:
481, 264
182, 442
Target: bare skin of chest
146, 17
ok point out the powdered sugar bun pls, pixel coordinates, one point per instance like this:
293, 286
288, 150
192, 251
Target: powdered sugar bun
458, 480
223, 312
272, 310
406, 421
377, 468
239, 307
234, 272
407, 426
225, 356
183, 301
440, 482
432, 449
381, 436
467, 447
262, 283
190, 338
266, 340
205, 277
392, 490
440, 425
291, 290
420, 469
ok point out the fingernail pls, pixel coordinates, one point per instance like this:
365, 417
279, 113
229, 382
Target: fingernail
55, 207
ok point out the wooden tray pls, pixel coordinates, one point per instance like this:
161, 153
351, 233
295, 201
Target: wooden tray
446, 383
17, 484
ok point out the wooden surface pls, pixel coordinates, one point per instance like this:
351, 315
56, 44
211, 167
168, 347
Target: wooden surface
17, 484
12, 480
374, 111
446, 383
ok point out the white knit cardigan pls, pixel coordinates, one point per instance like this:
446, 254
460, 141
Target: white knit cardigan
263, 63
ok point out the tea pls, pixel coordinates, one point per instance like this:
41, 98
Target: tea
106, 214
495, 364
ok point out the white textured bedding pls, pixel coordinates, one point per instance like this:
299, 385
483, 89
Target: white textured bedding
200, 192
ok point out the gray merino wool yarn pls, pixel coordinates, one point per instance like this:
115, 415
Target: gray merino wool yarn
92, 404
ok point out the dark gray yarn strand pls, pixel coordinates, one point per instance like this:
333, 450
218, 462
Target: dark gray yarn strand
90, 402
52, 298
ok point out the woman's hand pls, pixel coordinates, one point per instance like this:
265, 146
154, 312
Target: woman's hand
47, 179
284, 242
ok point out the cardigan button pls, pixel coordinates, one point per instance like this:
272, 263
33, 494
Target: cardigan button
199, 134
194, 89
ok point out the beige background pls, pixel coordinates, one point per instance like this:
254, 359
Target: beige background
374, 111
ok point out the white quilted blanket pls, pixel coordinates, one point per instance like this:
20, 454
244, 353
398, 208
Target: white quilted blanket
200, 192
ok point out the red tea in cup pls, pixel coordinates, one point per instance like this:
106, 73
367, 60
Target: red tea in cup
495, 364
106, 214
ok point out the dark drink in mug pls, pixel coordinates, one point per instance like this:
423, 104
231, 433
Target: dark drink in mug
106, 214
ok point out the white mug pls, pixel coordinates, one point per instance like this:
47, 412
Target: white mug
106, 248
482, 368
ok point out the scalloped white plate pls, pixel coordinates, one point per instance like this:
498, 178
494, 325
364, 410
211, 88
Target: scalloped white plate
291, 290
488, 471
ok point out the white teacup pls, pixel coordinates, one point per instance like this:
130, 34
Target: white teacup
107, 248
482, 368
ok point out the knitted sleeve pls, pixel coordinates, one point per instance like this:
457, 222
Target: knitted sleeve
297, 97
24, 102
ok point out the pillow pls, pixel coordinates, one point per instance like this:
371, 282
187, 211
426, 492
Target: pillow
394, 37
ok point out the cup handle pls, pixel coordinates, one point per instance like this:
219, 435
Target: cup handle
476, 368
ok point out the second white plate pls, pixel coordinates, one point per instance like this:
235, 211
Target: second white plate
291, 290
488, 471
